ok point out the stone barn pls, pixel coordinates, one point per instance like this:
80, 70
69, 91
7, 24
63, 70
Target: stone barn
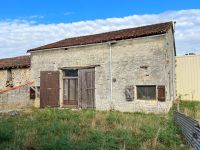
126, 70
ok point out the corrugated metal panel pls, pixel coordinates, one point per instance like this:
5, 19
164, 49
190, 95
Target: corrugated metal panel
190, 129
188, 77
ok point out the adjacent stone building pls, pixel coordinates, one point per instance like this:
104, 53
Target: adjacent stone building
15, 82
127, 70
14, 71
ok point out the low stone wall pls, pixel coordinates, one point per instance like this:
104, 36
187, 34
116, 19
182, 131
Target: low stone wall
16, 98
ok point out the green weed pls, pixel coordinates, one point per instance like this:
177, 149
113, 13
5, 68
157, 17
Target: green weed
49, 129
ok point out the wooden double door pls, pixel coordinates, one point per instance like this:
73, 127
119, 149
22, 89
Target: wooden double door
84, 89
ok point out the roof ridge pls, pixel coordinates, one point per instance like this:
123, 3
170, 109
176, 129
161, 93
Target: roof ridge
15, 57
140, 31
119, 30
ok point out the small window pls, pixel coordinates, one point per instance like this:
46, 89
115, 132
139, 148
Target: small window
71, 73
147, 92
32, 94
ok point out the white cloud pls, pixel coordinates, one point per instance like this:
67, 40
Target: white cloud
17, 36
68, 13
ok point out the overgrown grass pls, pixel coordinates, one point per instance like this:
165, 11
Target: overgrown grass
54, 129
191, 108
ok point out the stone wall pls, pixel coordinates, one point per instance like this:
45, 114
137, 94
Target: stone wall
3, 79
73, 57
126, 60
15, 99
170, 66
19, 76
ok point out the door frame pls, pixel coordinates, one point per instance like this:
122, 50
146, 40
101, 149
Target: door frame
62, 85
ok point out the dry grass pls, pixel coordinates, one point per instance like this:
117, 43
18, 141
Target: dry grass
191, 108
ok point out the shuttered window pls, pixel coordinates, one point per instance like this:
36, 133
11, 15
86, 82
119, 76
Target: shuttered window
147, 92
161, 93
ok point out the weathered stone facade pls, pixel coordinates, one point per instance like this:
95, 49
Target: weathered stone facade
14, 71
16, 98
3, 79
125, 58
19, 76
15, 82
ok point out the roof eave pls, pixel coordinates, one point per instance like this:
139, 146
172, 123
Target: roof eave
15, 67
56, 48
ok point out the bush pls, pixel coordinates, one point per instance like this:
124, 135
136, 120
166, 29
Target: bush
112, 118
170, 136
7, 131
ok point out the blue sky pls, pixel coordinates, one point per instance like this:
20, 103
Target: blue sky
25, 24
56, 11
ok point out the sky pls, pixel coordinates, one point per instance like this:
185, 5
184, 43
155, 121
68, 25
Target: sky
29, 24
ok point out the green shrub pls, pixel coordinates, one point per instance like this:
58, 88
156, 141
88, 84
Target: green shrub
170, 135
93, 140
7, 131
56, 143
148, 132
126, 138
112, 118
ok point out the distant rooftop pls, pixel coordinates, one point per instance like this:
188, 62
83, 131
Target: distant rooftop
15, 62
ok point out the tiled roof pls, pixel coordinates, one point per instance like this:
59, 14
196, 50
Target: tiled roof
143, 31
15, 62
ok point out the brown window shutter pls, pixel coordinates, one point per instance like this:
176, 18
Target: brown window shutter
129, 93
161, 93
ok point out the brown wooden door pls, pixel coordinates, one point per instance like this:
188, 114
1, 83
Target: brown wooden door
49, 89
87, 88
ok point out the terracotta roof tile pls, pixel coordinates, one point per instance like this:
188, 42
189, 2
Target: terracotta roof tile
143, 31
15, 62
